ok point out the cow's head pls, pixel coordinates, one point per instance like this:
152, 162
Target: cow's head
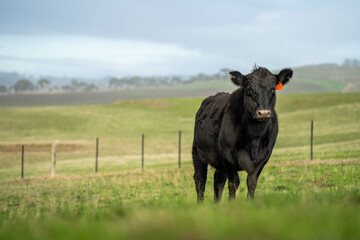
259, 90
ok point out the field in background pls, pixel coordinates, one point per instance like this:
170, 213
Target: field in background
306, 79
295, 198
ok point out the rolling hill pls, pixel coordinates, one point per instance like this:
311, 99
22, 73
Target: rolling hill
325, 78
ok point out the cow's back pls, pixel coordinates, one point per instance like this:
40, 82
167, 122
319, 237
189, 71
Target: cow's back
207, 126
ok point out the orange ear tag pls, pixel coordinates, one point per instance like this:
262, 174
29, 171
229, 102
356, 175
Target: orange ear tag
279, 86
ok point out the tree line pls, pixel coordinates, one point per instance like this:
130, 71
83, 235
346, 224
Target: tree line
24, 84
351, 62
43, 84
143, 82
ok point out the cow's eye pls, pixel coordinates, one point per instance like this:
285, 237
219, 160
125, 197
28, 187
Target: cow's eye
249, 93
273, 91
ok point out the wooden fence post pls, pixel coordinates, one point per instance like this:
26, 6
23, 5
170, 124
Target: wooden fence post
22, 161
53, 158
96, 155
142, 153
179, 149
311, 140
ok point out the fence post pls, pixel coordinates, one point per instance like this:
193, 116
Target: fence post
53, 158
142, 153
22, 161
179, 149
96, 155
311, 140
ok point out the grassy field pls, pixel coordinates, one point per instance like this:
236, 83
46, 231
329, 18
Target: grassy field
295, 198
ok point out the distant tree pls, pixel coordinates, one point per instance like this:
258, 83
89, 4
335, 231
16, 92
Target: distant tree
82, 85
66, 87
356, 63
224, 72
43, 82
76, 85
135, 81
126, 81
176, 80
217, 76
90, 87
348, 62
3, 89
114, 82
23, 85
201, 77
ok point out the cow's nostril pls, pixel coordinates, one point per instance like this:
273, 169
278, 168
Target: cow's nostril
263, 114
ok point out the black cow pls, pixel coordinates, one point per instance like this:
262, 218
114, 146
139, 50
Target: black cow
237, 131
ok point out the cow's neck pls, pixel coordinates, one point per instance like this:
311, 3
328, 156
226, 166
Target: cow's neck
255, 134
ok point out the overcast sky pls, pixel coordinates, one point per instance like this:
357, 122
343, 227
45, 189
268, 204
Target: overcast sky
83, 38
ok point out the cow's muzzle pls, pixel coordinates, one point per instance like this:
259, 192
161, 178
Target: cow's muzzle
263, 114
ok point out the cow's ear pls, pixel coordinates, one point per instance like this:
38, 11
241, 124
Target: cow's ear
237, 78
284, 76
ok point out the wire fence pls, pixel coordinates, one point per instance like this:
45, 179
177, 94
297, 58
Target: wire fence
79, 157
83, 157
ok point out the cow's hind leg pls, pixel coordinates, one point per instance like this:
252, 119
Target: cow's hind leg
199, 176
219, 182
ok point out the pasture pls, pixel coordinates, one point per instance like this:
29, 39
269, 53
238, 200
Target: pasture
295, 198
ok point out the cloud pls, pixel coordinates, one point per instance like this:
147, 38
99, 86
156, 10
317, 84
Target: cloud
89, 56
178, 37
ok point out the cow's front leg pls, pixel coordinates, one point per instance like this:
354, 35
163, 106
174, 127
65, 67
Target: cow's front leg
251, 181
247, 164
219, 182
233, 184
233, 177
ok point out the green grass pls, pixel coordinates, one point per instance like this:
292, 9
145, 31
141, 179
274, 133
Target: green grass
292, 202
295, 198
327, 85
